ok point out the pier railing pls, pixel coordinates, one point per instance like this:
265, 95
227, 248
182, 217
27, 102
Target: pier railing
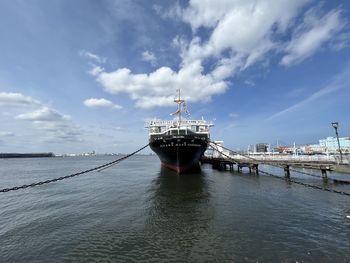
334, 159
266, 157
289, 158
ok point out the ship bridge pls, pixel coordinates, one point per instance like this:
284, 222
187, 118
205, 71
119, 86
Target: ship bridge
175, 127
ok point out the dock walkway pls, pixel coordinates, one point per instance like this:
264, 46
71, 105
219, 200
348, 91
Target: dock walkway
252, 163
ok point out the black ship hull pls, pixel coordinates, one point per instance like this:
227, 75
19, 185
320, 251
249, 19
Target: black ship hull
179, 153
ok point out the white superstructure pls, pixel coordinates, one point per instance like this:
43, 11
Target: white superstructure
157, 126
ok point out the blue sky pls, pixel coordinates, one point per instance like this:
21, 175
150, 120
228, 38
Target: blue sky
85, 75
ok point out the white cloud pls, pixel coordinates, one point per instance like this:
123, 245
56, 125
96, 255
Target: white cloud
53, 125
206, 13
240, 26
241, 33
46, 121
173, 13
9, 98
244, 27
311, 35
247, 13
158, 88
43, 114
101, 103
226, 67
96, 70
340, 41
149, 56
249, 83
92, 56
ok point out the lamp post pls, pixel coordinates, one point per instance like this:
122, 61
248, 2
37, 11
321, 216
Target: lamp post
335, 126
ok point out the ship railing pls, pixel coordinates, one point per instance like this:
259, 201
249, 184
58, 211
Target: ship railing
163, 130
175, 123
155, 131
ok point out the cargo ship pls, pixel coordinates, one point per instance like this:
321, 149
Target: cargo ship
179, 143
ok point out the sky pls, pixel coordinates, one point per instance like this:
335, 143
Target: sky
84, 75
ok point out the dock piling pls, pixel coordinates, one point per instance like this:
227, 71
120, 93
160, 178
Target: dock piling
286, 172
231, 166
324, 174
256, 169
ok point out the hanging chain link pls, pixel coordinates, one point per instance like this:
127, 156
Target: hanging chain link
100, 168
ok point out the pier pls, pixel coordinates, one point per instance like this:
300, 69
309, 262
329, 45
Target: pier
222, 158
285, 161
223, 163
287, 164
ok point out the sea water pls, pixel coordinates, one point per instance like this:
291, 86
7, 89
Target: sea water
137, 212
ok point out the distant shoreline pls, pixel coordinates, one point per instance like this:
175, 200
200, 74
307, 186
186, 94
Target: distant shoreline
25, 155
50, 155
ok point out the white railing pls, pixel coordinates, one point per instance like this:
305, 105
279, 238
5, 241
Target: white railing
291, 158
160, 127
158, 123
218, 152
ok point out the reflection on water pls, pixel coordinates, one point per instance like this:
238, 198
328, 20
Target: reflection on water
170, 191
178, 211
184, 188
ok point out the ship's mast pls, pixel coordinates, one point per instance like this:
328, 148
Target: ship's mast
179, 101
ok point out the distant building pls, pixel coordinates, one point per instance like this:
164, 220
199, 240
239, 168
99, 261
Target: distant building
330, 144
325, 146
261, 147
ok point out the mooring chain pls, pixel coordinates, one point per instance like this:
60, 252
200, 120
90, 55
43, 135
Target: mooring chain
101, 167
307, 185
305, 173
282, 178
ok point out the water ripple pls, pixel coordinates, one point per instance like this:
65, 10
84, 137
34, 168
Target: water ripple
137, 212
